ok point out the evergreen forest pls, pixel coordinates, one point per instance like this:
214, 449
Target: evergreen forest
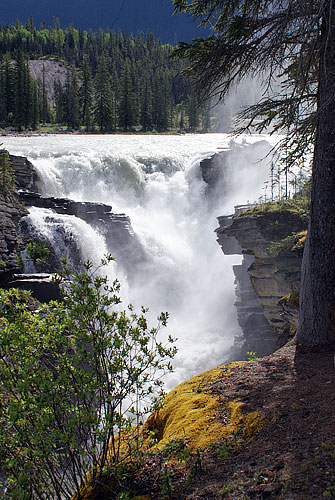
112, 82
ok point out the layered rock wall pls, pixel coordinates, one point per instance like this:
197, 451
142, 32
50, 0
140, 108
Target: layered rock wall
264, 278
11, 242
121, 241
11, 212
272, 275
16, 230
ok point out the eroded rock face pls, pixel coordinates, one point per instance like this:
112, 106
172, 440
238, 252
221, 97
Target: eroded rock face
11, 242
272, 276
41, 286
216, 171
11, 212
16, 229
121, 241
24, 172
259, 335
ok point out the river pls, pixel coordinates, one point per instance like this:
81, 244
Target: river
156, 181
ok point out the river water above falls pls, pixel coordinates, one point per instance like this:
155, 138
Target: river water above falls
157, 182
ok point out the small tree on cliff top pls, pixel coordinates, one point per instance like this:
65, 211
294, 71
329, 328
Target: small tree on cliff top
294, 38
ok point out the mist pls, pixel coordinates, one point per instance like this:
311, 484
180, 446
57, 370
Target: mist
157, 182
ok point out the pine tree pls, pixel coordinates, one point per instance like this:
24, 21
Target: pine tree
9, 76
35, 109
146, 106
20, 91
296, 39
59, 102
86, 95
104, 101
73, 112
127, 105
3, 97
193, 111
124, 88
160, 109
45, 115
28, 96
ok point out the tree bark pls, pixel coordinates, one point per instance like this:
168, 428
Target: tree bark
317, 293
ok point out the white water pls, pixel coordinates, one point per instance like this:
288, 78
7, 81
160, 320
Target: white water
156, 180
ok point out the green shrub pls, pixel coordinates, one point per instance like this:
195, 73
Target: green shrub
73, 378
37, 252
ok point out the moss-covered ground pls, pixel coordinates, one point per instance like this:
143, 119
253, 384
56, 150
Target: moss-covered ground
258, 430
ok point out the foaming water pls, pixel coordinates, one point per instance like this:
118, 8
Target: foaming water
91, 244
156, 180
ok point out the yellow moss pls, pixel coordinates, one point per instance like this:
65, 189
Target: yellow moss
301, 239
252, 425
193, 415
235, 412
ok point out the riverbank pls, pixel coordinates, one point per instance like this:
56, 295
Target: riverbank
57, 131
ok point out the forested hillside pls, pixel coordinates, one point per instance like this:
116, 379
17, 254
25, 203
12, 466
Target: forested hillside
113, 81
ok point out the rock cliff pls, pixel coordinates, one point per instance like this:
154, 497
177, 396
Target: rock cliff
11, 242
11, 211
16, 230
121, 241
274, 275
267, 282
25, 174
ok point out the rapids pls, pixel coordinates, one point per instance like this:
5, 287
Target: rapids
156, 181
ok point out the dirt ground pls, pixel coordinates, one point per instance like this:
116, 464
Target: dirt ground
292, 457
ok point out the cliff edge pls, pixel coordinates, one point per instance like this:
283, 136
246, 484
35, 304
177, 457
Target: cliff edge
274, 237
245, 431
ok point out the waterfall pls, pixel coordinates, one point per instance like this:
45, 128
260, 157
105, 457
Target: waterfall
157, 182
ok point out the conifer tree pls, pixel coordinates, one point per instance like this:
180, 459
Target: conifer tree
193, 111
35, 108
86, 95
73, 113
9, 76
103, 108
159, 104
45, 115
128, 105
123, 87
296, 39
7, 177
20, 90
59, 102
3, 97
146, 106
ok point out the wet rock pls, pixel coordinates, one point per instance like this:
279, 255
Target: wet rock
41, 286
216, 170
11, 242
25, 174
121, 241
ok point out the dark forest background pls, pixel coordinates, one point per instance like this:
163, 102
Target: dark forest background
100, 81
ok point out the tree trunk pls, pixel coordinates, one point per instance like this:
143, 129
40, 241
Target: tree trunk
317, 294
